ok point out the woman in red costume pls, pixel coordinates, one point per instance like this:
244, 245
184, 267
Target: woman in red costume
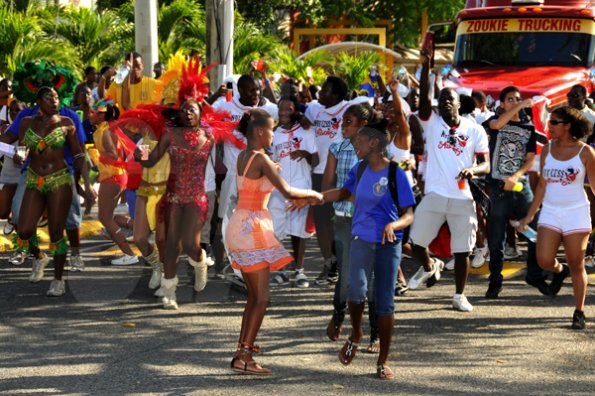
184, 205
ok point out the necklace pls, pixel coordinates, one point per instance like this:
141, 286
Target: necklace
192, 136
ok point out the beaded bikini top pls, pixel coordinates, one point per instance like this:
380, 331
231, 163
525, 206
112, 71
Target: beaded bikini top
55, 139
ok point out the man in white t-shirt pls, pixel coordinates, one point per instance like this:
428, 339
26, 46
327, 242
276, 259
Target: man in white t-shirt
457, 149
326, 116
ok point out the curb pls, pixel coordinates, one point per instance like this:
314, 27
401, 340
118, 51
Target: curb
88, 228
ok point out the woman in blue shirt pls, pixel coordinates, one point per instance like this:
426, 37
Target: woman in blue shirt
377, 231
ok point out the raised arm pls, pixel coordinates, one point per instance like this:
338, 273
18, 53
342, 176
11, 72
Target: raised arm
505, 117
402, 140
425, 100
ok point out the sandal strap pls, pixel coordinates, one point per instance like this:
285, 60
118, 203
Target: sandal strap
250, 348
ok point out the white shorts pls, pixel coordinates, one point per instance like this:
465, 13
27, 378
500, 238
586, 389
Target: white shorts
287, 223
434, 210
566, 221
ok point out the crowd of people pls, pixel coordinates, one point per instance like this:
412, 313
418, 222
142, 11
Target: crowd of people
226, 176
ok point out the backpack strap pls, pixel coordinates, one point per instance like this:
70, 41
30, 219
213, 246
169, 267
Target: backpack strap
392, 184
360, 171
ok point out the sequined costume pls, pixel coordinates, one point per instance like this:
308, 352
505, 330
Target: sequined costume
185, 185
46, 183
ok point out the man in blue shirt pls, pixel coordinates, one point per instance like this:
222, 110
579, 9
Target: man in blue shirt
73, 221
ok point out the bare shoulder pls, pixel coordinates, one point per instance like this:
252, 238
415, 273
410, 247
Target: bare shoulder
587, 153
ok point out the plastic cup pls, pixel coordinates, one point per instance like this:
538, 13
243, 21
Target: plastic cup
22, 151
461, 183
144, 149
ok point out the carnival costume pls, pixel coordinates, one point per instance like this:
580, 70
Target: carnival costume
183, 184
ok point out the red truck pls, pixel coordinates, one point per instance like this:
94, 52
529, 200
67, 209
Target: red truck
541, 46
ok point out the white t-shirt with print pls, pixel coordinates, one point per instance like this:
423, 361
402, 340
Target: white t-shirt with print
237, 110
448, 153
286, 141
326, 123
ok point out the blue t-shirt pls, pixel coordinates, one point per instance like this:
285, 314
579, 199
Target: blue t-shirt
64, 112
374, 206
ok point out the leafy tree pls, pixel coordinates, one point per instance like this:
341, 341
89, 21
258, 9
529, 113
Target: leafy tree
96, 36
354, 68
22, 39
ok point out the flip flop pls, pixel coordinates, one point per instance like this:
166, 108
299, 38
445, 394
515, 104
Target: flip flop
333, 331
374, 347
384, 373
347, 353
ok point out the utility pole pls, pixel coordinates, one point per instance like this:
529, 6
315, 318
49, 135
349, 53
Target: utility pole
145, 33
220, 25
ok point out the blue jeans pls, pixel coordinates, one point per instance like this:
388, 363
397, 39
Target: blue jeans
343, 246
504, 206
383, 261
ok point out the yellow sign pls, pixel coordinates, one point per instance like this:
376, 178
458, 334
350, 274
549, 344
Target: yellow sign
510, 25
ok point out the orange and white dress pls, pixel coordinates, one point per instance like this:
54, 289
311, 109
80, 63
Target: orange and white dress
250, 239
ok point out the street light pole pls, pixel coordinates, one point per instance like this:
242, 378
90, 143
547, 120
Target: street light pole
145, 33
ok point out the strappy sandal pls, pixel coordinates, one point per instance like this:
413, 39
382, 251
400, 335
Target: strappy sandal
347, 353
244, 356
333, 330
374, 347
383, 372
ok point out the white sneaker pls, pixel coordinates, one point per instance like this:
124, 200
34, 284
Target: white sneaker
479, 257
590, 261
510, 253
422, 276
450, 266
125, 260
57, 288
76, 263
460, 303
38, 268
18, 258
301, 280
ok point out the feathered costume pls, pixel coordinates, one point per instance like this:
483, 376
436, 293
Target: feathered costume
185, 177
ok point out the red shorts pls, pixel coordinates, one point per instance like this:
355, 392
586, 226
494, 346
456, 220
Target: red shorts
120, 180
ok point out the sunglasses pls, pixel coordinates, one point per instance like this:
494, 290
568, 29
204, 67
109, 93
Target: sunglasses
573, 95
557, 122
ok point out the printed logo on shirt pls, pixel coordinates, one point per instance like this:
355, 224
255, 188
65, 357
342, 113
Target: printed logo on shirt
328, 128
450, 140
286, 148
562, 176
380, 187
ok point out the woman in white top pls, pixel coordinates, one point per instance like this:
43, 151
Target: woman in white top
399, 151
565, 213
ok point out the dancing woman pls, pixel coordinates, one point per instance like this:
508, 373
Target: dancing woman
565, 215
184, 205
250, 238
49, 184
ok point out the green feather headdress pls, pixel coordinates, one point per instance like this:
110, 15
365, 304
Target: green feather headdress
31, 76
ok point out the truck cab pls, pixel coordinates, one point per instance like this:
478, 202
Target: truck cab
543, 47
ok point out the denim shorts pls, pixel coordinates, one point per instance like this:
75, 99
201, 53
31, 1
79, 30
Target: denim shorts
384, 261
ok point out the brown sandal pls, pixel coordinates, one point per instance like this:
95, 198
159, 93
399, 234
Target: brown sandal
374, 347
347, 353
333, 330
244, 356
384, 373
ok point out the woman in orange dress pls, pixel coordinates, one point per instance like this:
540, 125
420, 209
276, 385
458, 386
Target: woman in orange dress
250, 239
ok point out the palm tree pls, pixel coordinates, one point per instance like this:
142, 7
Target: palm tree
97, 37
23, 40
250, 44
288, 63
354, 68
179, 21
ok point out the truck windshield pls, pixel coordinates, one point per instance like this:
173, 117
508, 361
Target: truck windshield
523, 49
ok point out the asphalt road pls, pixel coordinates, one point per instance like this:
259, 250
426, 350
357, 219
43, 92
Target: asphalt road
109, 336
